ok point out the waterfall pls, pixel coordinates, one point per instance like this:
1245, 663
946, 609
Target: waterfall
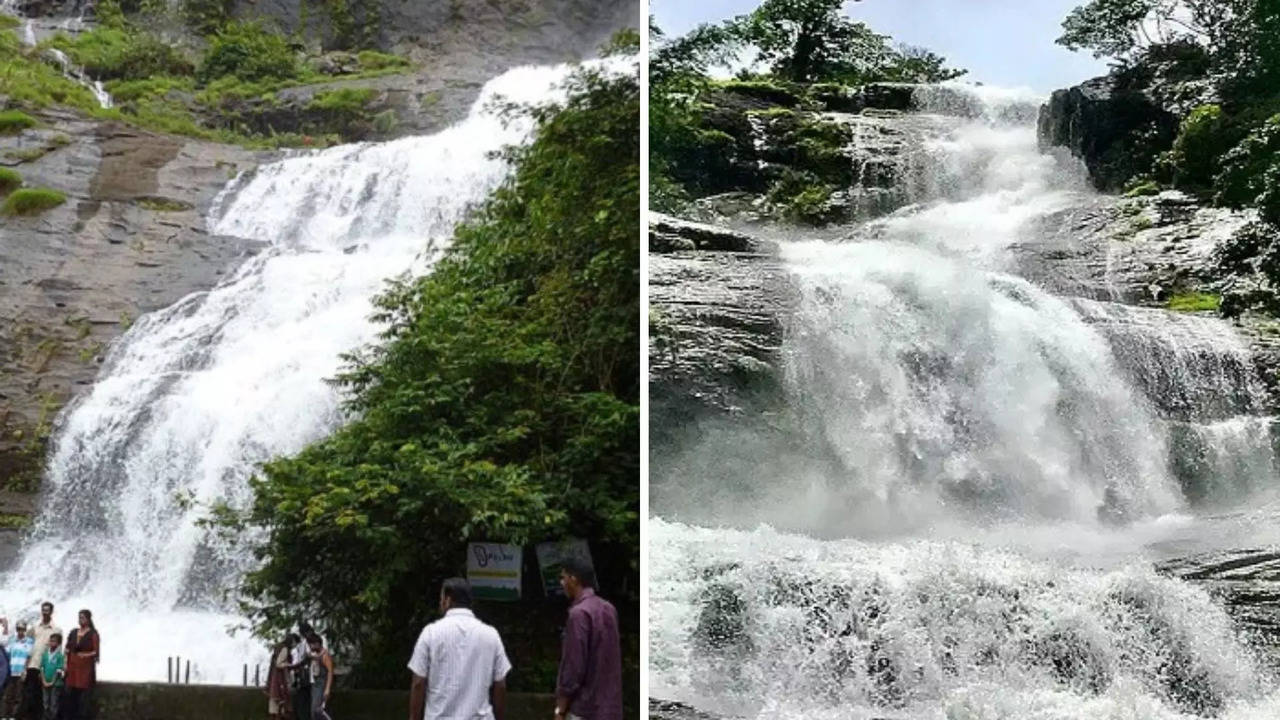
194, 397
955, 512
69, 69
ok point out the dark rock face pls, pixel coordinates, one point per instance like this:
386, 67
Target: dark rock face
508, 33
130, 239
1116, 131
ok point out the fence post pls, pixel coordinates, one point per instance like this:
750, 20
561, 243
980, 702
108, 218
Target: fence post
169, 670
188, 682
177, 670
256, 669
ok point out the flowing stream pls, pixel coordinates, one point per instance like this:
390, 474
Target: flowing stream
69, 69
195, 396
988, 473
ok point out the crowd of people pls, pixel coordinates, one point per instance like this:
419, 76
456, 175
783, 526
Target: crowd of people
460, 666
41, 676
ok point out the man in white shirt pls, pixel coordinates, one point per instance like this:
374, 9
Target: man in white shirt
459, 665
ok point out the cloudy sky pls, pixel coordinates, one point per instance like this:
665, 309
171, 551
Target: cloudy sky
1001, 42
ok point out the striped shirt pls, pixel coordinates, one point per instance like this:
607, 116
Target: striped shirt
461, 658
19, 654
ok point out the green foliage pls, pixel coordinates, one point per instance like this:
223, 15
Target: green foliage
1197, 149
31, 201
13, 521
10, 180
374, 60
812, 40
762, 90
343, 100
110, 53
1240, 180
9, 22
500, 403
1142, 188
13, 122
249, 51
801, 196
1195, 302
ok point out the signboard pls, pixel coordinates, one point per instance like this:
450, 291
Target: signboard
551, 554
494, 570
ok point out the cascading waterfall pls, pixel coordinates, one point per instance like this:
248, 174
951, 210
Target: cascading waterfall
987, 471
195, 396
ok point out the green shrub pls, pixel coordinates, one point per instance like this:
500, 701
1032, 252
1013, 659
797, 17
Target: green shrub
13, 122
801, 196
1202, 139
113, 53
761, 90
374, 60
385, 121
249, 51
1194, 302
1240, 179
31, 201
8, 22
343, 100
10, 180
1142, 188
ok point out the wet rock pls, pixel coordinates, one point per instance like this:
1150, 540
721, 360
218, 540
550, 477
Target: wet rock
1116, 131
130, 239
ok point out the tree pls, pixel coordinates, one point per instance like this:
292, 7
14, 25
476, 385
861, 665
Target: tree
1122, 29
501, 403
810, 40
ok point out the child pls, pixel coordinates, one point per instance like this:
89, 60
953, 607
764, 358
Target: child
53, 664
19, 648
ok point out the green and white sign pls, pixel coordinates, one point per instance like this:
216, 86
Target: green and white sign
551, 554
494, 570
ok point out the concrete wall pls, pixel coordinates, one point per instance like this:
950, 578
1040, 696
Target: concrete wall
158, 701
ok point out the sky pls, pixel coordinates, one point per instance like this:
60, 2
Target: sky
1007, 43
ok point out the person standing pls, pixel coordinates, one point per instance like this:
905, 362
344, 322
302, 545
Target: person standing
33, 688
459, 665
321, 677
19, 647
53, 665
279, 702
82, 672
301, 670
589, 686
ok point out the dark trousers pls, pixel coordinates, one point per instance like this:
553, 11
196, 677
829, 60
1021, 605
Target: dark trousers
302, 703
75, 704
32, 707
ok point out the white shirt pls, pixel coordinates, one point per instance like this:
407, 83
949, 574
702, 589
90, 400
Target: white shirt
461, 658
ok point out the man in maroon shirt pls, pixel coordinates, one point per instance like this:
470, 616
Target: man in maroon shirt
590, 682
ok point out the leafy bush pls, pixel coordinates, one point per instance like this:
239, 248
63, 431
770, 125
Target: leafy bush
801, 196
207, 16
1196, 150
1141, 188
111, 53
1239, 182
13, 122
249, 51
31, 201
10, 180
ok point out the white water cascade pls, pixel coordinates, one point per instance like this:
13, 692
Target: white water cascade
195, 396
975, 479
69, 69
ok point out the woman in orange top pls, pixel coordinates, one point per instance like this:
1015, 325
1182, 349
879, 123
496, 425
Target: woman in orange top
82, 670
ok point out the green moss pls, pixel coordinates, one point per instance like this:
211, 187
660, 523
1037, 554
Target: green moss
385, 121
11, 521
773, 112
343, 100
1143, 189
802, 197
27, 155
10, 180
31, 201
13, 122
8, 22
162, 204
1194, 302
761, 90
374, 60
1143, 222
430, 100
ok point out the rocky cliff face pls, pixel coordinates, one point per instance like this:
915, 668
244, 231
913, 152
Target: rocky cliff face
505, 34
130, 239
